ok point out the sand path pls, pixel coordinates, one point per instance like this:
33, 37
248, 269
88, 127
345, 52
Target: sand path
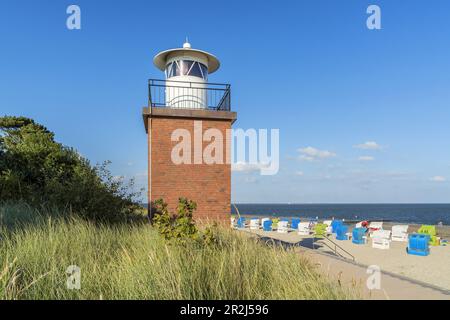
403, 276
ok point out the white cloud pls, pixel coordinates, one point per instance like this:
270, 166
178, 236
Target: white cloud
438, 179
299, 173
366, 158
313, 154
369, 145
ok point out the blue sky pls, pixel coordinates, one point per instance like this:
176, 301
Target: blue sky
310, 68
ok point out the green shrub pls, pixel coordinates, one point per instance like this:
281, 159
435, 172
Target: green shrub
179, 227
34, 168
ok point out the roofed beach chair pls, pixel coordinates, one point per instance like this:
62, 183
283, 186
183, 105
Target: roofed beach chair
419, 244
431, 231
267, 225
335, 224
283, 226
304, 228
359, 236
381, 239
275, 223
341, 233
320, 230
375, 226
263, 220
294, 223
400, 232
254, 224
241, 223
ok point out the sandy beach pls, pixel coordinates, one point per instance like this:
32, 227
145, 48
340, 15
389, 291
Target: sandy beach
431, 271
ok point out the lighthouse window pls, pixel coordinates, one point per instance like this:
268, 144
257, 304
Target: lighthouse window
186, 67
195, 70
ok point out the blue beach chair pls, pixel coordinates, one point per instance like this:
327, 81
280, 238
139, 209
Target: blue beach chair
267, 225
341, 233
335, 224
294, 223
358, 235
419, 244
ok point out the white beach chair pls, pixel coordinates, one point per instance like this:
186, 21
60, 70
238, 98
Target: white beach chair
233, 221
375, 226
381, 239
328, 230
400, 232
304, 229
254, 224
283, 227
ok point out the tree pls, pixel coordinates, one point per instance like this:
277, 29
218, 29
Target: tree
37, 169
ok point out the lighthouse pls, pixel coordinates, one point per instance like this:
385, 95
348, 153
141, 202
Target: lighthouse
186, 71
184, 109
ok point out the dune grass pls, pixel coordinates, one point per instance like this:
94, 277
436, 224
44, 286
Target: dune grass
133, 262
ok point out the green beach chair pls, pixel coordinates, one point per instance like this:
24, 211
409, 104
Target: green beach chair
320, 230
431, 231
275, 223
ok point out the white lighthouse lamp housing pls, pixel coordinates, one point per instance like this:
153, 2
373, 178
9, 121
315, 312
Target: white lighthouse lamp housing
186, 72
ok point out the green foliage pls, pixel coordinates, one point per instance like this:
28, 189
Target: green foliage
162, 219
178, 227
210, 235
36, 169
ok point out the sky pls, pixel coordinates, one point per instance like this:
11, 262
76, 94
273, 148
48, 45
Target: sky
363, 114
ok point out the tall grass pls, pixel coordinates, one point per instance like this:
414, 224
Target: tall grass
133, 262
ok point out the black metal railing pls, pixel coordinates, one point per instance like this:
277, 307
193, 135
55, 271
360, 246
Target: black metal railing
189, 95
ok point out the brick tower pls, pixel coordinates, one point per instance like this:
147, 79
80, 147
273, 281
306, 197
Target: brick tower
184, 120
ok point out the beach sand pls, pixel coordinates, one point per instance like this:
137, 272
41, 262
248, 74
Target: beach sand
431, 271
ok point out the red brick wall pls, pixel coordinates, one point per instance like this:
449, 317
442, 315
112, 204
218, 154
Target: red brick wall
208, 185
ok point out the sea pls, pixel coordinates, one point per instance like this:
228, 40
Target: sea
404, 213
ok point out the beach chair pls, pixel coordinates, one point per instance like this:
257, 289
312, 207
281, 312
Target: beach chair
400, 232
329, 229
294, 223
341, 233
304, 228
431, 231
283, 226
375, 226
241, 223
267, 225
254, 224
381, 239
275, 223
320, 230
263, 220
335, 225
359, 236
419, 244
233, 221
